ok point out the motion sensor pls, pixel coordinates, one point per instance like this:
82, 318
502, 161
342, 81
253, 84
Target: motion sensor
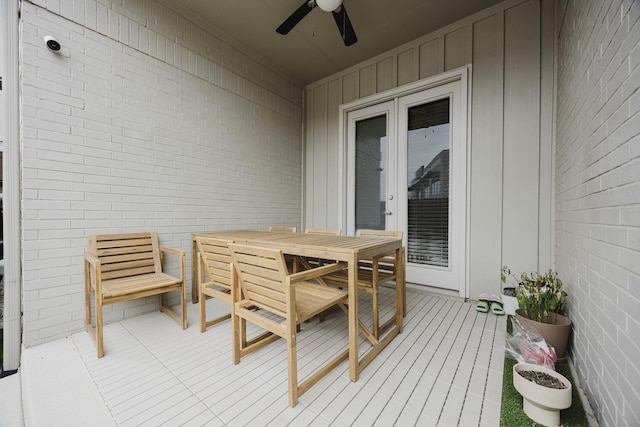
52, 43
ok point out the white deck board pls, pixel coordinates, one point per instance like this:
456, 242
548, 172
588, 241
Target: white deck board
445, 369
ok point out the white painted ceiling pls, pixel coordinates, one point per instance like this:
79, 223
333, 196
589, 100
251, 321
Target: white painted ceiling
314, 48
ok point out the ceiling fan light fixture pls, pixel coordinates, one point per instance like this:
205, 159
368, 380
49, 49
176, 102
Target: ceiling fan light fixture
337, 10
328, 5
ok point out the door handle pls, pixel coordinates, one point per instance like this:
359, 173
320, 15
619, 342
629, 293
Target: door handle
388, 212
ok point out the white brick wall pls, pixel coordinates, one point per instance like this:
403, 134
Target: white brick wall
598, 198
148, 123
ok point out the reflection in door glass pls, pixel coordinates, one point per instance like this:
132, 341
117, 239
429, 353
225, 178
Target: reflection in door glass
429, 136
371, 165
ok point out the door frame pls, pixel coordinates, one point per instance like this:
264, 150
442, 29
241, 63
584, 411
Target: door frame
461, 74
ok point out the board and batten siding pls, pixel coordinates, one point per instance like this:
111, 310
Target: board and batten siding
509, 164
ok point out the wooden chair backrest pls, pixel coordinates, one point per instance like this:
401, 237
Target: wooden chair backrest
126, 255
283, 229
261, 274
388, 262
380, 233
216, 257
324, 231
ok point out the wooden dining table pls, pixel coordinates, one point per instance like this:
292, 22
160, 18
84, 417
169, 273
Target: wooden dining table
349, 249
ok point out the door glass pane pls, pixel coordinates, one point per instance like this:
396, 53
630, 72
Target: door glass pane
429, 138
370, 171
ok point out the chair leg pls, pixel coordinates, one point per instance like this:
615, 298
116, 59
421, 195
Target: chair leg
99, 341
202, 303
292, 352
238, 335
243, 333
183, 304
403, 282
376, 321
87, 297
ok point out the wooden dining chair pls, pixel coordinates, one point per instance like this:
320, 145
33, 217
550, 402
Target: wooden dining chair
372, 274
215, 277
276, 301
283, 229
292, 263
314, 262
123, 267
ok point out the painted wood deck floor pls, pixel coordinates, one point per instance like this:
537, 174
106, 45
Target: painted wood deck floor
445, 369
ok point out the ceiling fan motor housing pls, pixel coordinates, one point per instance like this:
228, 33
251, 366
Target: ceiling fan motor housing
328, 5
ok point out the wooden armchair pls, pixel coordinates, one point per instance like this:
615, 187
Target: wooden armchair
123, 267
214, 261
372, 274
267, 291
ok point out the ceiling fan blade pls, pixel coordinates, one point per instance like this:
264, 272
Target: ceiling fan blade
344, 25
295, 17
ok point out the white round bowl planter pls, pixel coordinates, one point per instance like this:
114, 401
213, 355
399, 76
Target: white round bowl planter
541, 404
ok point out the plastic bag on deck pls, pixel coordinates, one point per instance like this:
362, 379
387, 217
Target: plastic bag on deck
525, 344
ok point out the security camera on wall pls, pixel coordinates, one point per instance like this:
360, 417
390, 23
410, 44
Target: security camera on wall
54, 46
52, 43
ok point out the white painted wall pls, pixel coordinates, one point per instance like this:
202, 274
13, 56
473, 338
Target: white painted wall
597, 196
510, 145
145, 122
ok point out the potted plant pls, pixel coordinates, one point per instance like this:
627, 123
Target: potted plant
541, 302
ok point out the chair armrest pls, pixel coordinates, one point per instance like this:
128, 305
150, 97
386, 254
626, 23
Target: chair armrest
317, 272
181, 254
172, 251
92, 268
91, 259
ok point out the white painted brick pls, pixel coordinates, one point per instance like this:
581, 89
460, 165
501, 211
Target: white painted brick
60, 233
634, 239
116, 140
598, 188
102, 19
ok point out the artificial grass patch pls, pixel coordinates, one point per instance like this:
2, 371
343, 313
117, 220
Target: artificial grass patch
512, 413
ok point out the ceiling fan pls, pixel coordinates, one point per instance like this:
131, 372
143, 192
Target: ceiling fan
334, 6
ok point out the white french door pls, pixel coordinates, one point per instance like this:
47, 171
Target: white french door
432, 176
406, 170
371, 177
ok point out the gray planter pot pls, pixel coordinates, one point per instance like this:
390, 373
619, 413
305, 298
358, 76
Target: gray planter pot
556, 335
